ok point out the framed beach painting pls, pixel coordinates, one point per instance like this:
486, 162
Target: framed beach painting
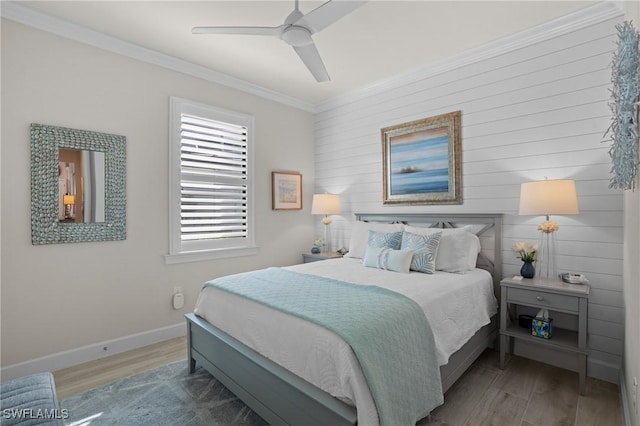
421, 161
286, 190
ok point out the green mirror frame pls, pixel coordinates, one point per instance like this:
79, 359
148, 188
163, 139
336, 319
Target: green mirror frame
45, 226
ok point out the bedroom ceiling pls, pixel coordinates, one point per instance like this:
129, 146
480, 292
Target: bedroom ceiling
376, 41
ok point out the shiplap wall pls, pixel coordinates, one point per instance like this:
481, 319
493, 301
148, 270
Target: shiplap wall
536, 111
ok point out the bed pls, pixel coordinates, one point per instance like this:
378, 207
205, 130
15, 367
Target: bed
270, 371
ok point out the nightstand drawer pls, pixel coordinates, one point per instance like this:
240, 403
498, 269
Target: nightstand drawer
540, 298
315, 257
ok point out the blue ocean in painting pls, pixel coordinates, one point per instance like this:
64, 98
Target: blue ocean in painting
420, 182
420, 166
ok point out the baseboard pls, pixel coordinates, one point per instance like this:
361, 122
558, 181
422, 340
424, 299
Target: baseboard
624, 401
603, 371
92, 352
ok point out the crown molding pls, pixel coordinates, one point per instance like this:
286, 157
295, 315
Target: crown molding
41, 21
581, 19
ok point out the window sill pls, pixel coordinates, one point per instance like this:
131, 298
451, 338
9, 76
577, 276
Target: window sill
202, 255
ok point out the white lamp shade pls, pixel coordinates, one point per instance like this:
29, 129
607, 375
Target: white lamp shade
68, 199
548, 197
325, 204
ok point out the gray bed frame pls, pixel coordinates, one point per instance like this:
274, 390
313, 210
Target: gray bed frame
282, 398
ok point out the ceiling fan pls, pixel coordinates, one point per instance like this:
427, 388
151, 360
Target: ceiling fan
297, 30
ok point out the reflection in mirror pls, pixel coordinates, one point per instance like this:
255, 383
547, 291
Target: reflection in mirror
81, 186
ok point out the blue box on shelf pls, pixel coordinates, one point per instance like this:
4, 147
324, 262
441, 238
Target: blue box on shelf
541, 328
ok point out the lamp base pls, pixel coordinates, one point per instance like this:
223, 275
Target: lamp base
327, 235
67, 211
546, 258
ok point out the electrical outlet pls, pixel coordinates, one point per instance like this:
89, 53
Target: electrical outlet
177, 289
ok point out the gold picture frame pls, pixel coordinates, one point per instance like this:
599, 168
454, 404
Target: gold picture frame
286, 190
422, 161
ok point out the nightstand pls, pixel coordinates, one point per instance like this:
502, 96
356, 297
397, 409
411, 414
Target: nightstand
315, 257
556, 296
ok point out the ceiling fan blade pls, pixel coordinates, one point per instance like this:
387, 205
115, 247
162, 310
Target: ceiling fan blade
311, 58
268, 31
328, 13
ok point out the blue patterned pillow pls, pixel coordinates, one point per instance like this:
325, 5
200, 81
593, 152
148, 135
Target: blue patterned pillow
424, 248
391, 240
387, 259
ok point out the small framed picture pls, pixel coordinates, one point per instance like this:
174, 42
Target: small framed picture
286, 188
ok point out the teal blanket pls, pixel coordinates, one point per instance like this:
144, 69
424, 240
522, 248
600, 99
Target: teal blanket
387, 331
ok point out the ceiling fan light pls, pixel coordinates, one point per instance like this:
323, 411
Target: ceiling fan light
297, 36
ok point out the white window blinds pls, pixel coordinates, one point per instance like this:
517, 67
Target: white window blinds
213, 164
210, 183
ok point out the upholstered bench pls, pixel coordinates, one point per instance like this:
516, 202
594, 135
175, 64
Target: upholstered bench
30, 400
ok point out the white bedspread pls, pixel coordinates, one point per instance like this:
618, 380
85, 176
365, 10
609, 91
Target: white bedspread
456, 305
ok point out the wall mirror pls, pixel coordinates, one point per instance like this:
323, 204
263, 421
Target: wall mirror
78, 189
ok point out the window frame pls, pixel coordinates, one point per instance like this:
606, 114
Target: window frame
179, 251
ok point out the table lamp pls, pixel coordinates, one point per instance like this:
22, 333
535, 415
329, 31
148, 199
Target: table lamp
68, 201
326, 204
546, 198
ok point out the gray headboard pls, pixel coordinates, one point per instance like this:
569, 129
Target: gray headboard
487, 226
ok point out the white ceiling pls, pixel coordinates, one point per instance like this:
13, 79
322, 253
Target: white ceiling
375, 42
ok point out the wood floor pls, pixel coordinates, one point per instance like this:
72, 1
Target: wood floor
94, 374
525, 393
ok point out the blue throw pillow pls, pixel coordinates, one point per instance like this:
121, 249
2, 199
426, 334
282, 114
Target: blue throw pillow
424, 248
387, 259
391, 240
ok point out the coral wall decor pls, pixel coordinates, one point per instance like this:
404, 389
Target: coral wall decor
625, 95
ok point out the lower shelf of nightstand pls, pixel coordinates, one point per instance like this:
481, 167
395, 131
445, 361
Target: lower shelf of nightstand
562, 339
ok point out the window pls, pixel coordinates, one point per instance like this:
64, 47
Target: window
211, 183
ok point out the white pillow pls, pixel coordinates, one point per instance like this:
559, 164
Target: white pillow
388, 259
360, 236
458, 249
